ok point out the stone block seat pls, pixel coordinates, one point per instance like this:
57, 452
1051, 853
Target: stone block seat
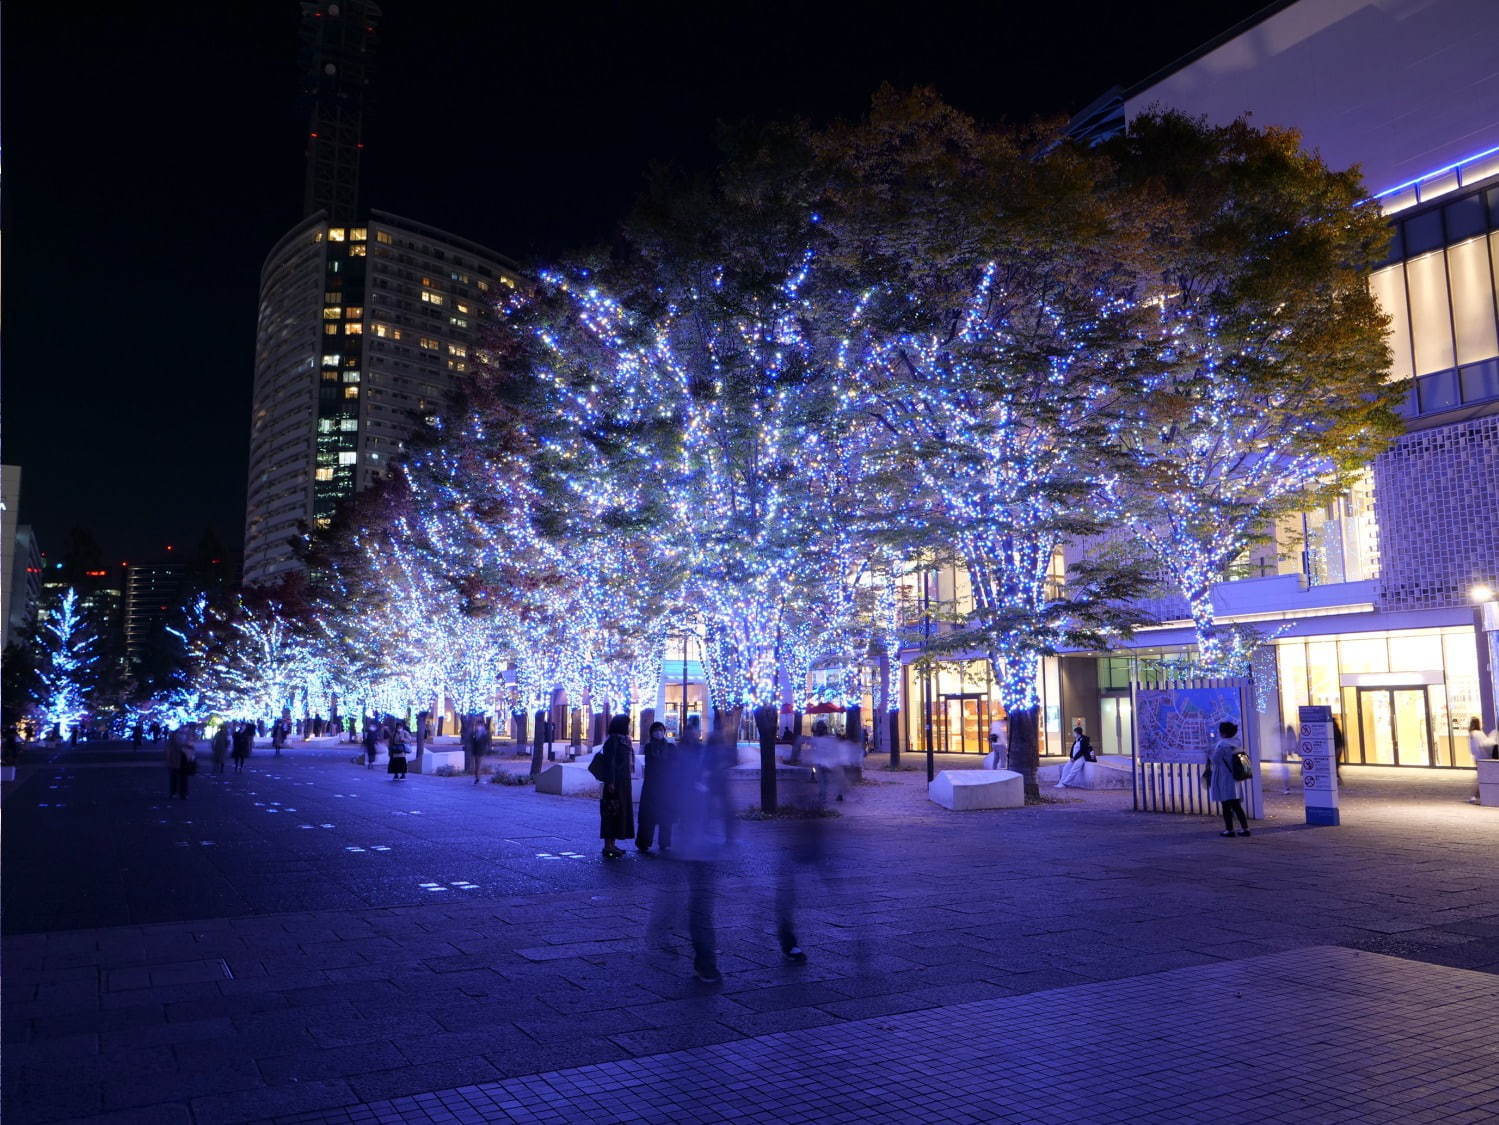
1488, 782
796, 787
434, 759
961, 790
572, 779
1112, 772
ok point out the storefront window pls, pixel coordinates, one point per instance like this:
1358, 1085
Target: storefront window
1388, 286
1431, 317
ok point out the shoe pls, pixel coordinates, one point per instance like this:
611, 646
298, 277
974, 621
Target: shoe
796, 955
613, 853
1243, 832
1472, 800
1230, 832
708, 976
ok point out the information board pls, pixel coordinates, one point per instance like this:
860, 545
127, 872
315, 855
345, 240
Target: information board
1319, 765
1181, 724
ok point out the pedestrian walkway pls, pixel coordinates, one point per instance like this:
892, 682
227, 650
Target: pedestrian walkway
1320, 1034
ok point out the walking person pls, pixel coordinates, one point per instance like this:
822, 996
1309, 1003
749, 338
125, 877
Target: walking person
1482, 747
656, 782
241, 740
396, 767
370, 746
220, 747
1077, 759
478, 745
613, 765
182, 761
1223, 779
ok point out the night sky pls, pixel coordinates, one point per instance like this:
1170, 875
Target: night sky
154, 155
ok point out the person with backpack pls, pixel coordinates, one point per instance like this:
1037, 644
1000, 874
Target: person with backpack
1227, 766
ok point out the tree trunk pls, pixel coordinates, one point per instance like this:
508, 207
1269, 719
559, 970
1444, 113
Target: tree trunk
880, 742
767, 719
1209, 641
538, 742
1024, 750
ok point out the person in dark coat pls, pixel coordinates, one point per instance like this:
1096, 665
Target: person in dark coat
656, 790
479, 745
613, 768
240, 742
396, 767
220, 747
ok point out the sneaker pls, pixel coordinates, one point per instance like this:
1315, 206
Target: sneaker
1230, 832
708, 976
1243, 832
1472, 800
796, 955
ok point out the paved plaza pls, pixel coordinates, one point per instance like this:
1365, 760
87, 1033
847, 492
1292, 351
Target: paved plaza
310, 941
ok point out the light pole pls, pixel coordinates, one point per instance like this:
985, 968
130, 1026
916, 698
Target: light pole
1486, 633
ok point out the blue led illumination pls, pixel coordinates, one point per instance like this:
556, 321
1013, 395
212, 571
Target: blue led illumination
1436, 172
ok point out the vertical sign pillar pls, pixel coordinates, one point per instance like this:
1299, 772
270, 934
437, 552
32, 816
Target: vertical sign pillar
1319, 767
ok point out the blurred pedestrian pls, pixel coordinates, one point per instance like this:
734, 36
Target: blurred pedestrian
613, 766
371, 747
479, 744
220, 747
182, 762
656, 784
397, 764
1482, 747
240, 742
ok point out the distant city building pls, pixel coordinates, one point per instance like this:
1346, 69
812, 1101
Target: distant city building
366, 319
21, 567
153, 595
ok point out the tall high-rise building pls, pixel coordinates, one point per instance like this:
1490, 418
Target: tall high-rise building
366, 319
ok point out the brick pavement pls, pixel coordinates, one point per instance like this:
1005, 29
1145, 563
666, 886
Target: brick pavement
1319, 1034
281, 969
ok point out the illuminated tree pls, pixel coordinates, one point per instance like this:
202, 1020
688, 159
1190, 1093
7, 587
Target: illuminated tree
1263, 380
68, 664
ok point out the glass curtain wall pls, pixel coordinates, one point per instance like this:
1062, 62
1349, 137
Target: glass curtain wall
1397, 721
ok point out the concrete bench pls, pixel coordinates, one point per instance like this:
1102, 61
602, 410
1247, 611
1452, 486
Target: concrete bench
1488, 783
961, 790
434, 760
1102, 774
796, 787
572, 779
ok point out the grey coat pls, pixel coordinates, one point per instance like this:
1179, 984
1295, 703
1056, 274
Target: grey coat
1221, 783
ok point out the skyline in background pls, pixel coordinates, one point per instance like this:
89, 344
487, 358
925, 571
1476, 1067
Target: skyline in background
159, 158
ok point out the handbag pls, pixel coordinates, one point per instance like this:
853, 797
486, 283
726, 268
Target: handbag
597, 767
1240, 767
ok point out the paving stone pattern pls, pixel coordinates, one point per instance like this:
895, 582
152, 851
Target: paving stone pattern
252, 952
1340, 1036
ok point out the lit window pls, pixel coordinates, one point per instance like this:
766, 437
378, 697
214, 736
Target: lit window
353, 312
359, 251
505, 281
381, 330
322, 523
429, 344
331, 360
457, 322
457, 349
330, 330
317, 235
351, 361
461, 307
335, 234
351, 376
349, 425
351, 392
427, 283
324, 474
353, 328
347, 458
333, 312
330, 376
382, 236
431, 298
457, 365
358, 234
483, 286
333, 298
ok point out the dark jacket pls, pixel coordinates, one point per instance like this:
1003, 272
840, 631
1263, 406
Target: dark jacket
657, 779
616, 807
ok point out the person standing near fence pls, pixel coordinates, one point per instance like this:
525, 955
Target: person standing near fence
1223, 781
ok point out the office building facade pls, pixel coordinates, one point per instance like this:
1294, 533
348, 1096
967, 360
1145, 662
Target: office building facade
366, 320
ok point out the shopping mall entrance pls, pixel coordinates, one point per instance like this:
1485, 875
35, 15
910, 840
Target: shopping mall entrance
1395, 726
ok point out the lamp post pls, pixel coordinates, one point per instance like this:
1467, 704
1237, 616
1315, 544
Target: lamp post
1486, 633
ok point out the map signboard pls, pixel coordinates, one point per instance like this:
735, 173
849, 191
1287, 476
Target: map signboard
1181, 724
